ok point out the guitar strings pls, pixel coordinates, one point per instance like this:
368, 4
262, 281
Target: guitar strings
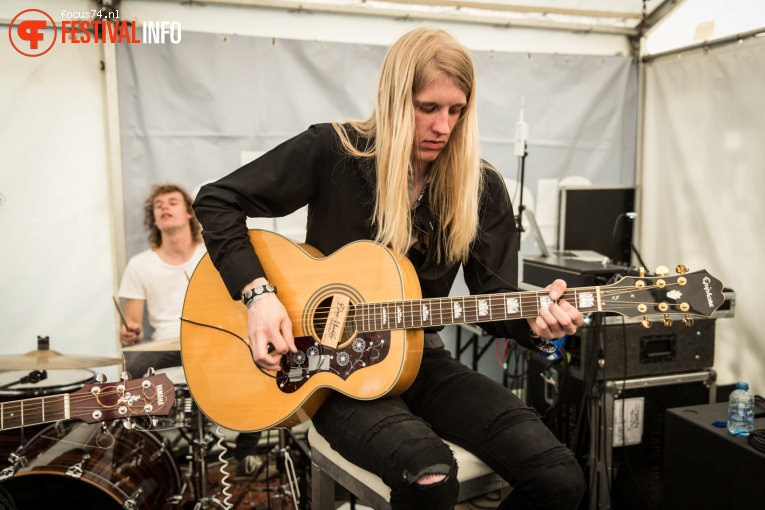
568, 295
470, 304
36, 408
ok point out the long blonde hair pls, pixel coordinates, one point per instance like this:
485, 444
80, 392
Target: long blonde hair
410, 65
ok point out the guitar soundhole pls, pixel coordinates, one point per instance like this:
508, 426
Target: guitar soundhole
323, 316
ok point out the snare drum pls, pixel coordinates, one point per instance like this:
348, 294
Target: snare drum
64, 467
58, 382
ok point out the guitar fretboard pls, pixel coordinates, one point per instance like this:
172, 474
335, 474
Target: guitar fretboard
33, 411
422, 313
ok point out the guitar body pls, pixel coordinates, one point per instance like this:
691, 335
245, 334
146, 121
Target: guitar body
232, 391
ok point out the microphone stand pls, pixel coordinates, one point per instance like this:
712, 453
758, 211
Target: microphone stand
521, 207
520, 150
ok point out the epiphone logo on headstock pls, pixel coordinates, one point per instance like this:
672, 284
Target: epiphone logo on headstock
160, 395
708, 290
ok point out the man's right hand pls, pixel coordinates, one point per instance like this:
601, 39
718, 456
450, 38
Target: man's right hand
130, 334
269, 325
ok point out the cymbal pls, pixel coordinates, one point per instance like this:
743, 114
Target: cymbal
167, 344
44, 359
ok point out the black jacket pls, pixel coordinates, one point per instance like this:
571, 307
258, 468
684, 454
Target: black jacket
313, 168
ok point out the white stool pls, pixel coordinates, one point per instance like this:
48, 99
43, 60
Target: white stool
328, 467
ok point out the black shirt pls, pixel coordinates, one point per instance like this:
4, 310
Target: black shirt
314, 169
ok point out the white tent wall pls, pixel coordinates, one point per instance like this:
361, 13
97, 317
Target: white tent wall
57, 258
702, 183
318, 26
189, 111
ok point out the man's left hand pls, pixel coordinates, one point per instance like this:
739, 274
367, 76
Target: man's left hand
560, 319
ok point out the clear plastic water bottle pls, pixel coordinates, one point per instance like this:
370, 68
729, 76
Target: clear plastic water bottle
741, 410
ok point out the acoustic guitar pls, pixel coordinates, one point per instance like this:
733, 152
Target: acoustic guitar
357, 318
93, 403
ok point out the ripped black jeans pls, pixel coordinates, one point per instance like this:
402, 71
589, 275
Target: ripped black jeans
397, 438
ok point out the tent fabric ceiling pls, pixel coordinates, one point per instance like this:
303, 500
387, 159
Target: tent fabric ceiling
609, 16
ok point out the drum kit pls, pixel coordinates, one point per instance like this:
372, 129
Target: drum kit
117, 448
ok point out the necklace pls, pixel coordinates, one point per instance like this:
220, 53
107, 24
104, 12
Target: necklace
422, 194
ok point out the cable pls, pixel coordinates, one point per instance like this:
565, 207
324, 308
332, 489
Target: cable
268, 475
289, 467
223, 470
624, 423
757, 439
637, 254
580, 430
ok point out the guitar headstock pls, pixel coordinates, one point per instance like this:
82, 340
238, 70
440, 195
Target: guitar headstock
690, 294
148, 396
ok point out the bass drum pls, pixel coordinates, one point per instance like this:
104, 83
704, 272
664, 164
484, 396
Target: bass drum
73, 465
57, 382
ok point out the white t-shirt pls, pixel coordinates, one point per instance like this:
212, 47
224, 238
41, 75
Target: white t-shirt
162, 286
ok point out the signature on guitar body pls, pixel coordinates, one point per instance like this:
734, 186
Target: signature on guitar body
358, 318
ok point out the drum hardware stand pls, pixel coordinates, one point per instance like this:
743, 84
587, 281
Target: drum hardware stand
176, 499
34, 377
15, 460
75, 470
288, 483
7, 473
198, 467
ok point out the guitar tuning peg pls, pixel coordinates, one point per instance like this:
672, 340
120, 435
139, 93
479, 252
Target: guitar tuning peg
682, 269
128, 424
154, 422
100, 378
688, 321
666, 320
646, 322
103, 428
125, 376
661, 270
642, 271
150, 372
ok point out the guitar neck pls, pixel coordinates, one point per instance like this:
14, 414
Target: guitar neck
422, 313
33, 411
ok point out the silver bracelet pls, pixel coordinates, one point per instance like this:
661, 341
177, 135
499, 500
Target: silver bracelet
255, 293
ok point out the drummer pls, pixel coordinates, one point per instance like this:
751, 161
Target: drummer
156, 280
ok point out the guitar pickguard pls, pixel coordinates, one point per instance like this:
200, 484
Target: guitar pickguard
312, 357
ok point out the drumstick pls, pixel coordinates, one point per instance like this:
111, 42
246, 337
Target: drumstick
124, 322
122, 315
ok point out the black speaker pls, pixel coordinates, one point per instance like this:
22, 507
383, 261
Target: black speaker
623, 465
707, 467
654, 351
